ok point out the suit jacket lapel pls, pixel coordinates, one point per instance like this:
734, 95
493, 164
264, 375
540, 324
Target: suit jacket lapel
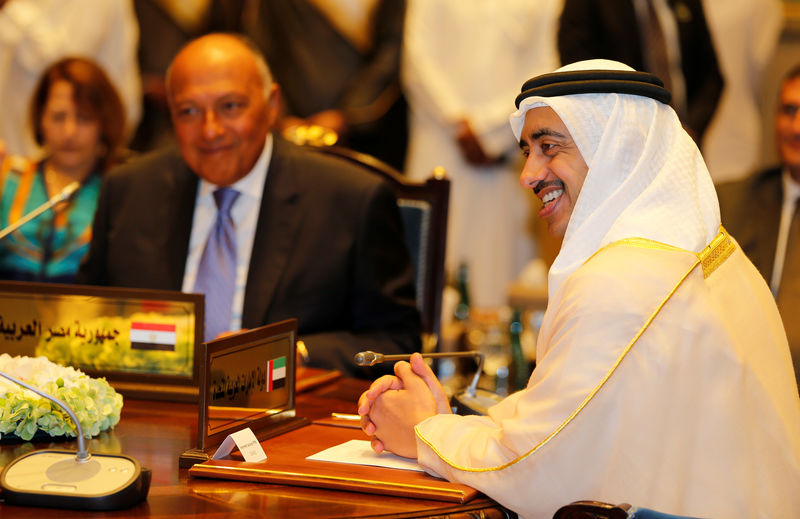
278, 223
181, 199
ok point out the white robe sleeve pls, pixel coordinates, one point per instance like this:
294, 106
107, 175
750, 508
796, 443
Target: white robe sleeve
673, 424
745, 35
422, 74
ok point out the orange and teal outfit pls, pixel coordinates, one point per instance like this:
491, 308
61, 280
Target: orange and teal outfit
50, 247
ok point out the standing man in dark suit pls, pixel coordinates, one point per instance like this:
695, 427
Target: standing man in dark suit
311, 237
761, 213
338, 64
164, 28
625, 30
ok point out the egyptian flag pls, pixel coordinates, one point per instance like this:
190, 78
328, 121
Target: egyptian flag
276, 373
153, 336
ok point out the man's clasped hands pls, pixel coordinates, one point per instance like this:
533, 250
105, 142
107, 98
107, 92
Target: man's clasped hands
395, 404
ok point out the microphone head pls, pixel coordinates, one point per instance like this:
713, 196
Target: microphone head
69, 190
367, 358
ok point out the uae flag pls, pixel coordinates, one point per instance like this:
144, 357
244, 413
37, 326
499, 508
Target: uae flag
276, 373
153, 336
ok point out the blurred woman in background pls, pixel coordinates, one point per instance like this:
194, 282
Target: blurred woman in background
79, 121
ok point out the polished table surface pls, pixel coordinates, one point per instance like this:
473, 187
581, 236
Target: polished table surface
156, 433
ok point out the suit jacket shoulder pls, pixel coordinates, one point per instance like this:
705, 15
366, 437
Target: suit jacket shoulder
751, 211
736, 197
308, 166
142, 225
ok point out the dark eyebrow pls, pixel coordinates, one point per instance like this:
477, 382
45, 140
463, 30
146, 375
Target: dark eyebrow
538, 134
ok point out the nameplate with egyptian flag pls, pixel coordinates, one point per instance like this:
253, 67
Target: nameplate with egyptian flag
276, 373
153, 336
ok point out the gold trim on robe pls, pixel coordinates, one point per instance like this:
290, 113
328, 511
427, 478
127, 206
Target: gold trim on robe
710, 258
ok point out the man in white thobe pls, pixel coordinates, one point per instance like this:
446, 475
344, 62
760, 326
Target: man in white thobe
663, 374
745, 35
461, 62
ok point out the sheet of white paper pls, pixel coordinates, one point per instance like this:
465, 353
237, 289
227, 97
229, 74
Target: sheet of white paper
359, 452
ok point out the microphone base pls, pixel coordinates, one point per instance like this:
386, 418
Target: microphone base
50, 478
465, 404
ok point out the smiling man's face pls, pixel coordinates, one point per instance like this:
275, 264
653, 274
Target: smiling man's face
554, 167
787, 126
221, 108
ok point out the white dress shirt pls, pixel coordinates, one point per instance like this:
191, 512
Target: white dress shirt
245, 217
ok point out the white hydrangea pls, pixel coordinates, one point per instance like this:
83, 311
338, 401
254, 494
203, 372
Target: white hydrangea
22, 412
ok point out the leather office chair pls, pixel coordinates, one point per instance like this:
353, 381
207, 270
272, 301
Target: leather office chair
423, 207
599, 510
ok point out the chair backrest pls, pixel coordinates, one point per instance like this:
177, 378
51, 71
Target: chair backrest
592, 510
423, 207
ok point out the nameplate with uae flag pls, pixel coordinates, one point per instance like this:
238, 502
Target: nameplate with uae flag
276, 369
247, 380
144, 342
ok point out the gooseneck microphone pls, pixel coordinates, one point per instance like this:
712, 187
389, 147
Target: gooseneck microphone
472, 400
83, 453
59, 197
64, 479
370, 358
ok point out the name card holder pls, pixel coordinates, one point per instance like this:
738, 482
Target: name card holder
247, 380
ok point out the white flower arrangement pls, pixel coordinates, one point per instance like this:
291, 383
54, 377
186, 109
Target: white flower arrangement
22, 412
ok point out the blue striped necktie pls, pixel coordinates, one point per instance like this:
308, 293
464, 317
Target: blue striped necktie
216, 274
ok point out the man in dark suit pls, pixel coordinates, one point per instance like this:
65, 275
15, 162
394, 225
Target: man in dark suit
315, 238
613, 29
761, 213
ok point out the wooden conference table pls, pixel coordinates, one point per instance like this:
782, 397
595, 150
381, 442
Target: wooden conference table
156, 433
